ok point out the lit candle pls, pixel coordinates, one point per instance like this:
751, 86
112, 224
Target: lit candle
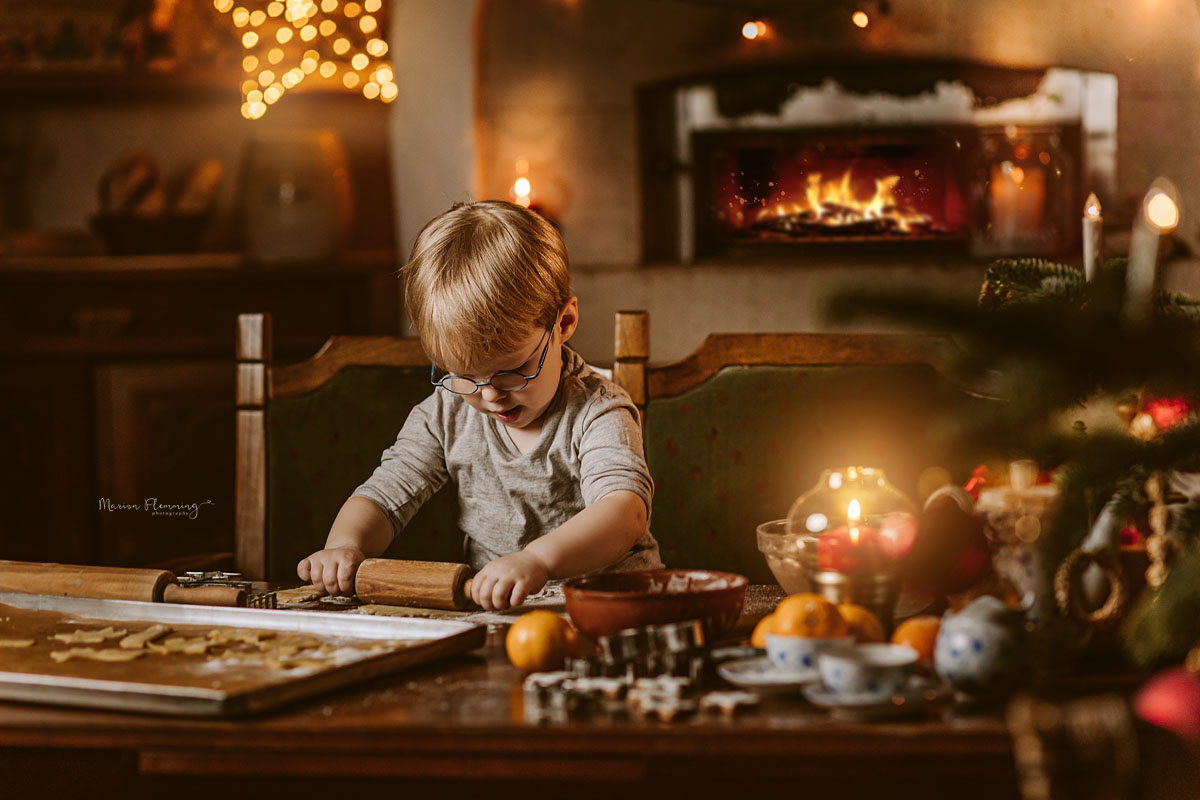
1159, 214
1017, 199
521, 191
848, 548
1093, 227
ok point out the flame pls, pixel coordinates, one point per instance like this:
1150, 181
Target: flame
854, 514
1162, 212
833, 203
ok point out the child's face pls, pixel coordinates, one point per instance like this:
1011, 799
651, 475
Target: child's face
521, 408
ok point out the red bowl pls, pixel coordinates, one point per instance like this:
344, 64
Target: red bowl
601, 605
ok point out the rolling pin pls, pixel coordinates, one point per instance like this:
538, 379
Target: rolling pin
111, 583
425, 584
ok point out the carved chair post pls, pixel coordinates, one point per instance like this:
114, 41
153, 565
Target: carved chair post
254, 349
631, 349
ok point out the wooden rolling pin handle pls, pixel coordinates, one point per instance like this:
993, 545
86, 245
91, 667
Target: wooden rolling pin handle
426, 584
70, 580
204, 595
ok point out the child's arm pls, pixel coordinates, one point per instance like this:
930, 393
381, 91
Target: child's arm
411, 470
594, 538
360, 531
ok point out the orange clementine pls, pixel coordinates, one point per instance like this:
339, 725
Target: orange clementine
539, 641
920, 633
808, 614
863, 625
758, 637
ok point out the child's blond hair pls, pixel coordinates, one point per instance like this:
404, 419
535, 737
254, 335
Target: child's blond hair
482, 277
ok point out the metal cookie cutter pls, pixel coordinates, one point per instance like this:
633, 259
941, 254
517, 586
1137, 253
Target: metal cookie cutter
670, 649
255, 598
680, 649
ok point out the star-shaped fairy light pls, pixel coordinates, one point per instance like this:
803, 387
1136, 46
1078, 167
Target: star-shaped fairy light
323, 42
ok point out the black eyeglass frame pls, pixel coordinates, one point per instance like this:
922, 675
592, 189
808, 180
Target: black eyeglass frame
441, 384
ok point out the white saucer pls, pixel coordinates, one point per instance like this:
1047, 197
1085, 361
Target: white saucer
756, 673
915, 698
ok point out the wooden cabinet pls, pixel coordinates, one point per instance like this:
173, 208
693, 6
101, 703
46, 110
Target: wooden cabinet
117, 392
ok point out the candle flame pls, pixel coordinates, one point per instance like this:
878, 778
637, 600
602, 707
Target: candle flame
522, 192
754, 29
1162, 212
854, 512
1091, 206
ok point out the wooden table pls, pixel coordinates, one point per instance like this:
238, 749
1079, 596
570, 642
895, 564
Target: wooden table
458, 726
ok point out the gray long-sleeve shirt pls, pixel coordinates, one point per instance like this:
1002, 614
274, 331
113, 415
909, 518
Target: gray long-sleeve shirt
590, 444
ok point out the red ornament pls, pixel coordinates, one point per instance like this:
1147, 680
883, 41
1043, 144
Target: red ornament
1167, 412
1130, 535
1171, 700
978, 479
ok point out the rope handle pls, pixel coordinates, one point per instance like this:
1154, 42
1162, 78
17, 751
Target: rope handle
1069, 598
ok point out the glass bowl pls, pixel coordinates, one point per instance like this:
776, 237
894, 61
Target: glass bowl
785, 555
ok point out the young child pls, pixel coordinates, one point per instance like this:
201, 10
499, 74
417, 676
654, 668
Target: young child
545, 452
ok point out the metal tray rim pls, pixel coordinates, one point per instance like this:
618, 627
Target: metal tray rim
330, 622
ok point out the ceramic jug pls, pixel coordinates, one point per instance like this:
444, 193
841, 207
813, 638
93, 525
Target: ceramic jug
981, 651
297, 202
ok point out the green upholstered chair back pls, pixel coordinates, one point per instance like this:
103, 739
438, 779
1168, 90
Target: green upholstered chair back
310, 433
738, 449
736, 431
324, 443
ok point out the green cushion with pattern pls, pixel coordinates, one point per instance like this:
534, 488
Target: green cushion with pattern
737, 450
322, 445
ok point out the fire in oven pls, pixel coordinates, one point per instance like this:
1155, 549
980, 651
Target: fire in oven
759, 188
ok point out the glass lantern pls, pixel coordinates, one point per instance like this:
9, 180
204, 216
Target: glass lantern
842, 538
843, 496
1023, 193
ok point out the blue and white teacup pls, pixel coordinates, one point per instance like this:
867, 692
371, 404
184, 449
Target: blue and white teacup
867, 671
798, 654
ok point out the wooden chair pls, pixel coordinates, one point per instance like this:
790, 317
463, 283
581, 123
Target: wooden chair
746, 423
309, 433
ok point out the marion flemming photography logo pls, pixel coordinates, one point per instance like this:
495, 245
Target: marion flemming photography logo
156, 508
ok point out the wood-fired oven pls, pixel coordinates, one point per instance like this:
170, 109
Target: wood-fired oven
978, 161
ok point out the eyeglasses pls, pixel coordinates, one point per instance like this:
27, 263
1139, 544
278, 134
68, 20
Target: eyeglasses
509, 380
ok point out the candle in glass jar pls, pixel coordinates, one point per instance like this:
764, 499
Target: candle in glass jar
1093, 227
1016, 196
853, 547
846, 549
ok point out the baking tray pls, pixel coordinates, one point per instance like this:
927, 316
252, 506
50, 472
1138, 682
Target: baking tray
191, 686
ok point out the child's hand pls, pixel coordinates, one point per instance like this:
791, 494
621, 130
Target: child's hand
508, 580
332, 570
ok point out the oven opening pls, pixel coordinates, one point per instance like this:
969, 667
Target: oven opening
823, 186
